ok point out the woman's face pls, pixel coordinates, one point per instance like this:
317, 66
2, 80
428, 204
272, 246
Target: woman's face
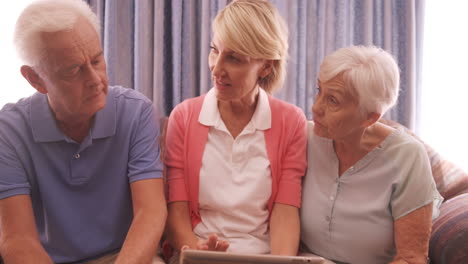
234, 75
336, 111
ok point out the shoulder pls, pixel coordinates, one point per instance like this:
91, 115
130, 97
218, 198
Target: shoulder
284, 108
284, 114
188, 107
20, 106
405, 145
127, 96
14, 114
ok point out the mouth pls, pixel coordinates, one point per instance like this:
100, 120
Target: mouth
220, 84
318, 123
95, 95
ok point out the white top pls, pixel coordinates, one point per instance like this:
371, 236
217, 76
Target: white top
235, 180
350, 218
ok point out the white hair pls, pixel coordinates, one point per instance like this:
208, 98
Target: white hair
48, 16
368, 72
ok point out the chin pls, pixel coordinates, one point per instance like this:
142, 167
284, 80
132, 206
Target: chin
223, 96
321, 133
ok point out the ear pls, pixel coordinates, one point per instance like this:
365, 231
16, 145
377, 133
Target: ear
266, 68
371, 119
33, 78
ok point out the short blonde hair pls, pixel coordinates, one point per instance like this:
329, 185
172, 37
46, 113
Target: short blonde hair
368, 72
48, 16
255, 28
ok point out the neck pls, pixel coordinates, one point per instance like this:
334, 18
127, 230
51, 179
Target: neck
350, 150
236, 114
75, 127
75, 130
244, 107
356, 146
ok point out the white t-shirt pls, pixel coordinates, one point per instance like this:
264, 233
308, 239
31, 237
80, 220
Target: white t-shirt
235, 180
350, 218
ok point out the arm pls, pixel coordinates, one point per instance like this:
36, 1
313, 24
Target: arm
19, 240
179, 229
180, 234
149, 210
284, 219
412, 234
284, 230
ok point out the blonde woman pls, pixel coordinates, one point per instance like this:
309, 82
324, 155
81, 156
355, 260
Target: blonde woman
236, 155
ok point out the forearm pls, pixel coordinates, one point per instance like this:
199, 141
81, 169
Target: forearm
412, 234
23, 251
19, 239
149, 217
143, 238
284, 230
179, 229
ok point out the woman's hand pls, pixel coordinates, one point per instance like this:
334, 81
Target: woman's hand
212, 243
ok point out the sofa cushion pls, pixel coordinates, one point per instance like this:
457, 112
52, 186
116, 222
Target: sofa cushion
449, 240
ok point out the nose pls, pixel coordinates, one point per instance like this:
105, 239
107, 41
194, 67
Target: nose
318, 106
92, 77
217, 68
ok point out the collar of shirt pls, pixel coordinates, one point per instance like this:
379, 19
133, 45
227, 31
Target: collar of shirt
44, 127
210, 116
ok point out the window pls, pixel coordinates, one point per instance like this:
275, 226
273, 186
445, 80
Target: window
14, 86
444, 80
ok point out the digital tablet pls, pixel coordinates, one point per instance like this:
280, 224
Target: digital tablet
213, 257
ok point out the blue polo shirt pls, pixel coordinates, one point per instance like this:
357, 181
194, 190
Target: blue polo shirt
80, 192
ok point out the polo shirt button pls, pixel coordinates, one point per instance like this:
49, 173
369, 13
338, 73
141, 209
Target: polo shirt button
77, 156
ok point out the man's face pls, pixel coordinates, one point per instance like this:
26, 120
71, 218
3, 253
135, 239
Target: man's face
74, 72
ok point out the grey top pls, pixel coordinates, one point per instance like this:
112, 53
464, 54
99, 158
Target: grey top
349, 218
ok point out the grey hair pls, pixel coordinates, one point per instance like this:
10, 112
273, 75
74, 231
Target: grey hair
369, 72
47, 16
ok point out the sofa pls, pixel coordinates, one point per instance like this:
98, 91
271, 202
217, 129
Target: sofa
449, 239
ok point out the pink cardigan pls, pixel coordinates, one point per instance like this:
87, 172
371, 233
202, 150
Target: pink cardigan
286, 143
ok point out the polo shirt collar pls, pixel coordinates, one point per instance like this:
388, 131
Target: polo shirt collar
210, 116
44, 127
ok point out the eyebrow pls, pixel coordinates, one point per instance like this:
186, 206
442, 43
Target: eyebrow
230, 52
336, 90
99, 54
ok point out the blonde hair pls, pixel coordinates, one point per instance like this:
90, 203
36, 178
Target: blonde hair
256, 29
370, 73
47, 16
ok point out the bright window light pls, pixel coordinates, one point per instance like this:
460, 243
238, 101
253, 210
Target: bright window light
14, 86
444, 81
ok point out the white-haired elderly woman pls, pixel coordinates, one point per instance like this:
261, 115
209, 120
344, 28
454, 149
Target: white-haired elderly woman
368, 194
236, 155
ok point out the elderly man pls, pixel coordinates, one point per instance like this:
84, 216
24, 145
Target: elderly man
80, 175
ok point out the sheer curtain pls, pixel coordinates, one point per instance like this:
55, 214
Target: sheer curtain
160, 47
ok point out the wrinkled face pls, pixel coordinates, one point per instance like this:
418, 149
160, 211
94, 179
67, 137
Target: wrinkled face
74, 72
336, 111
234, 76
